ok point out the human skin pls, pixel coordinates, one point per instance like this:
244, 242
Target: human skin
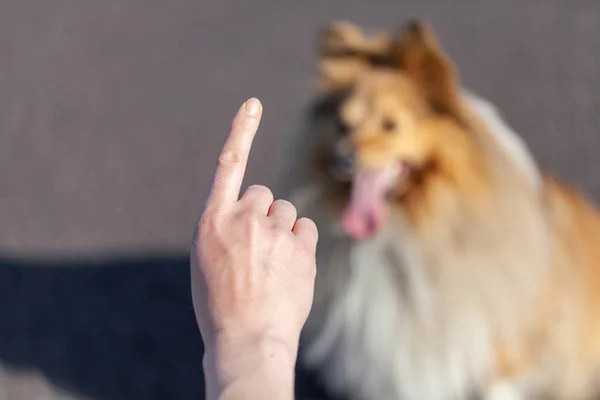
253, 269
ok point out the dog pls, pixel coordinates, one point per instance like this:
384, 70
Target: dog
449, 265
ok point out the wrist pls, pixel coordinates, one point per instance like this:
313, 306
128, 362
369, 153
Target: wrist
228, 344
233, 362
224, 350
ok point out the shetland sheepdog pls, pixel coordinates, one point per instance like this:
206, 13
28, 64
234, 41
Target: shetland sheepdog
449, 266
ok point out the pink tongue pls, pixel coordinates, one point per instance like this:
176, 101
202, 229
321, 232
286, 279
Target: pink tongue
366, 210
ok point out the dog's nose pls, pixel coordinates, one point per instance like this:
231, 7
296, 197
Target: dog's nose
343, 160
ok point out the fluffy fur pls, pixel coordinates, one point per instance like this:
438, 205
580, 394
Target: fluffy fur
483, 275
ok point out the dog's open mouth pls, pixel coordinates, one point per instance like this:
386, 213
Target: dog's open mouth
366, 210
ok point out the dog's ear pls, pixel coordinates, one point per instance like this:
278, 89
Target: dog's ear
418, 54
346, 53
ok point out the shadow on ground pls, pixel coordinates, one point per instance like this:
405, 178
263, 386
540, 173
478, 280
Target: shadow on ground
113, 329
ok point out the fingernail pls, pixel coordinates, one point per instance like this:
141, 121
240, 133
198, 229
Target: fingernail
252, 106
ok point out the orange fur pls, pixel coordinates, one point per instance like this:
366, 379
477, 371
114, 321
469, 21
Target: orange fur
399, 99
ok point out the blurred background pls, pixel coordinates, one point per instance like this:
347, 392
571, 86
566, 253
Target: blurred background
111, 116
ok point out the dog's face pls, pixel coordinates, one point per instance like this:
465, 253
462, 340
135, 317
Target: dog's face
396, 92
381, 120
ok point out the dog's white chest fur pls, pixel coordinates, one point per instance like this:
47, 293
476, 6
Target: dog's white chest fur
384, 334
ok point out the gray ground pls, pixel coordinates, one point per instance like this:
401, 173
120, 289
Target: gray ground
111, 114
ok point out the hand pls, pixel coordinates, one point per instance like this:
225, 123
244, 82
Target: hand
252, 263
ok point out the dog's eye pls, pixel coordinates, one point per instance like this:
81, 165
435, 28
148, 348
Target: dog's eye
389, 125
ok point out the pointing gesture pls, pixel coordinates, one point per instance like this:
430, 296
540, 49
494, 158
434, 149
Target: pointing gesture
234, 157
252, 263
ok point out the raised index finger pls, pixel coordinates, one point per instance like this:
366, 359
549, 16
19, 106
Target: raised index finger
232, 161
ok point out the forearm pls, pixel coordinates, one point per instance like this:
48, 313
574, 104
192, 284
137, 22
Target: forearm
257, 369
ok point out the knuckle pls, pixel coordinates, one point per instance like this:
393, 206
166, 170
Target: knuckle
309, 223
285, 204
247, 213
281, 239
229, 159
208, 222
310, 228
260, 189
266, 191
278, 229
260, 193
252, 218
247, 124
254, 229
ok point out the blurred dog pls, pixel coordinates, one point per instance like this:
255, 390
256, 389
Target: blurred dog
449, 266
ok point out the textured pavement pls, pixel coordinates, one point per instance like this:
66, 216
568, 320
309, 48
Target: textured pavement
111, 115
